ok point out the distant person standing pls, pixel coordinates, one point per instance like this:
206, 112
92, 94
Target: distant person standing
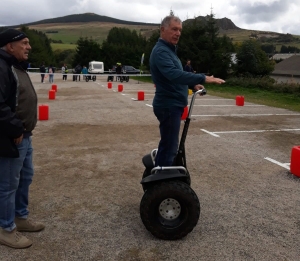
64, 71
188, 67
84, 72
77, 70
118, 71
51, 73
42, 71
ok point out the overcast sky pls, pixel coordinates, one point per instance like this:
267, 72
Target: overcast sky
282, 16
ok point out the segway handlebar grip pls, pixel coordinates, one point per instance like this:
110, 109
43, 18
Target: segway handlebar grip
201, 92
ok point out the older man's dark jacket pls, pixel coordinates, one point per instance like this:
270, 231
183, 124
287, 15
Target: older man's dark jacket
10, 126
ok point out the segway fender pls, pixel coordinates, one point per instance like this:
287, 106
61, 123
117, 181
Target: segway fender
148, 162
163, 175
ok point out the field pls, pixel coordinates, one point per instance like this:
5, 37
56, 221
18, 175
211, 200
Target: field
88, 168
69, 33
239, 36
59, 46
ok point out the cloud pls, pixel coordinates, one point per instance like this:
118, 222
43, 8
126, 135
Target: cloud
261, 12
273, 15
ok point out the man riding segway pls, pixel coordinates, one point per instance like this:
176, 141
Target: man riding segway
119, 71
170, 209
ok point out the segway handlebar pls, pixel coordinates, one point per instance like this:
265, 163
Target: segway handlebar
201, 92
166, 168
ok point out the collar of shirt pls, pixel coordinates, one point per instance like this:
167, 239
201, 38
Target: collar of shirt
171, 46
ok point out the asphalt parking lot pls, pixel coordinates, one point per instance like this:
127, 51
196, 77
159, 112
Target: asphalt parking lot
88, 166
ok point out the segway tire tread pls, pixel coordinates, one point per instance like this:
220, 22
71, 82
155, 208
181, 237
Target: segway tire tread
184, 223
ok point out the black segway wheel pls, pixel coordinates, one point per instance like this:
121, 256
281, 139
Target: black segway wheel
170, 210
87, 79
146, 173
94, 78
127, 78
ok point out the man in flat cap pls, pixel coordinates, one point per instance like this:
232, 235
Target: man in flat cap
18, 117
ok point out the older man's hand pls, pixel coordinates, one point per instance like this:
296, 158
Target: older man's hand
212, 79
18, 140
198, 87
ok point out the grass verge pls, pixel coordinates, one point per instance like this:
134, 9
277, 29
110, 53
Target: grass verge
258, 96
142, 78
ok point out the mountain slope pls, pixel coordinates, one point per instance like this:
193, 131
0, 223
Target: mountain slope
85, 18
223, 23
68, 29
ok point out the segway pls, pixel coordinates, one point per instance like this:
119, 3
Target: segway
90, 77
169, 208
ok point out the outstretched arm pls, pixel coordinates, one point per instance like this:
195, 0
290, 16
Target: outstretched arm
212, 79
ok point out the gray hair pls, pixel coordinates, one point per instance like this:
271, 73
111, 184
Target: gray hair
167, 20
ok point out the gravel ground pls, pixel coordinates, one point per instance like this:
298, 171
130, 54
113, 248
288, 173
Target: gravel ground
88, 169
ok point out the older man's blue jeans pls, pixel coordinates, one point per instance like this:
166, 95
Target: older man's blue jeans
15, 177
169, 126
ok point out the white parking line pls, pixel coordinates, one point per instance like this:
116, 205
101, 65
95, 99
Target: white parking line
211, 133
204, 99
255, 131
250, 115
229, 105
215, 133
149, 105
284, 165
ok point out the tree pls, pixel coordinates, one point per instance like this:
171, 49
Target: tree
268, 48
201, 44
289, 49
64, 57
252, 60
123, 45
86, 51
193, 45
41, 49
149, 46
3, 28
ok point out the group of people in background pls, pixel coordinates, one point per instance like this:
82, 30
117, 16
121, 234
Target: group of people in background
50, 70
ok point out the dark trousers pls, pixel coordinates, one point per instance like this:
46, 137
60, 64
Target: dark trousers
169, 127
64, 77
75, 77
42, 77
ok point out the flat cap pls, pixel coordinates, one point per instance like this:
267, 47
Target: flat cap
11, 35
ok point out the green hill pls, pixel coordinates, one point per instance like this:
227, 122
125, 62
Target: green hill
85, 18
66, 30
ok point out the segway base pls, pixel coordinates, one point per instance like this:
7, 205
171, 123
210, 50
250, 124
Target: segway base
163, 175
